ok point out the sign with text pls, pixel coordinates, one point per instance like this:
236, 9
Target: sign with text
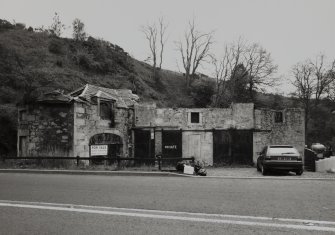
99, 150
170, 146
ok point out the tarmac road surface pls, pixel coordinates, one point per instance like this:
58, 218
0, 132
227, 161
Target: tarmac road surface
88, 204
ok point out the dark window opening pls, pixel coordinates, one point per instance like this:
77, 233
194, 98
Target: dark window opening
106, 112
195, 117
278, 117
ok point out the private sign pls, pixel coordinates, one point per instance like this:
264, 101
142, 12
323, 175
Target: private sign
99, 150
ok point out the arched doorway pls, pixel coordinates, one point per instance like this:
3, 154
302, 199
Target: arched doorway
113, 143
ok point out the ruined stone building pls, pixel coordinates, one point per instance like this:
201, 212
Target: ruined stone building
72, 124
216, 135
67, 124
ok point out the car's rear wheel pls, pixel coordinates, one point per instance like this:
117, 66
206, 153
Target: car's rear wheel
263, 170
299, 172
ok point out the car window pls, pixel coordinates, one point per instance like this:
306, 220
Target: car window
282, 150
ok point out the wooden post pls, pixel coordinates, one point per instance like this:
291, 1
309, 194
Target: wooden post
77, 161
159, 162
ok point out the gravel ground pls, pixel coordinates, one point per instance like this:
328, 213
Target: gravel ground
252, 172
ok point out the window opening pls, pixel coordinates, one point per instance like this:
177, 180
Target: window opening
278, 117
195, 117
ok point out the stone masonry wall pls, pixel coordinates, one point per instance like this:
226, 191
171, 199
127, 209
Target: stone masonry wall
291, 131
47, 128
197, 138
240, 116
88, 123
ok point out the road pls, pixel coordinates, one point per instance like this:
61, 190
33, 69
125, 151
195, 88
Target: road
87, 204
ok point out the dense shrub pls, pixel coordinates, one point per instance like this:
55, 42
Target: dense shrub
202, 92
55, 46
5, 25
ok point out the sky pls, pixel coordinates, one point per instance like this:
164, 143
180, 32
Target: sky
291, 30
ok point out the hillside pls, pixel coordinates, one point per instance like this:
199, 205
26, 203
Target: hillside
32, 62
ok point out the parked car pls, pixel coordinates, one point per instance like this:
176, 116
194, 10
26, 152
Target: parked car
280, 157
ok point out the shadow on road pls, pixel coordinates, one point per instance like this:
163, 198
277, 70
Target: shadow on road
280, 173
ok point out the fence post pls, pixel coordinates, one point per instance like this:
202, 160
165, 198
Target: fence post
77, 161
159, 163
192, 161
118, 161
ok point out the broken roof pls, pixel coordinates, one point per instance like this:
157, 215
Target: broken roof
56, 96
124, 98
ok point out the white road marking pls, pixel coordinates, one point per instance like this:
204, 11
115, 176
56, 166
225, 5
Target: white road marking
171, 215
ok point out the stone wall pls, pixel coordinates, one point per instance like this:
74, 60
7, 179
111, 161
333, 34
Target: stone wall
88, 123
239, 116
46, 129
197, 138
291, 131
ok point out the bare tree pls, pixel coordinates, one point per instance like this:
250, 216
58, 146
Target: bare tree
162, 38
57, 26
250, 61
224, 69
260, 68
194, 50
79, 33
156, 35
330, 91
323, 75
305, 87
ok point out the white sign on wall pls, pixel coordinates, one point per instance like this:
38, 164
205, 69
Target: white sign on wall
99, 150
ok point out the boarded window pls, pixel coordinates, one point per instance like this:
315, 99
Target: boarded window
278, 117
195, 117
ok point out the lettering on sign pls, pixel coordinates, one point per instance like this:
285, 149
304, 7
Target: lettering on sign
170, 146
99, 150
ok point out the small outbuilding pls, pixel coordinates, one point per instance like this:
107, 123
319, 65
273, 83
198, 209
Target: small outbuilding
215, 135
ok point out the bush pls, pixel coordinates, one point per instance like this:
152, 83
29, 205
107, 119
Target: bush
55, 46
202, 92
5, 25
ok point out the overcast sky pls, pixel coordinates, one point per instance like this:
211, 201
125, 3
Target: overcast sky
291, 30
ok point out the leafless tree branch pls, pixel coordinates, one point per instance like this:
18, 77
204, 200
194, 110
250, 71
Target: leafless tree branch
194, 49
